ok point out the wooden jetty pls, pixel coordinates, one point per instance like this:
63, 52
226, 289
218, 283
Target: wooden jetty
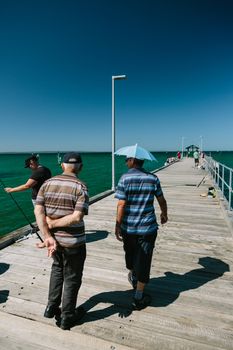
191, 280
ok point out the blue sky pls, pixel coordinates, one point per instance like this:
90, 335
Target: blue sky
57, 59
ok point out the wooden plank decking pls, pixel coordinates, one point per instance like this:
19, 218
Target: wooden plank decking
191, 281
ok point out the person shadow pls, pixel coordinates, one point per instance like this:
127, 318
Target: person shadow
4, 293
164, 290
167, 289
93, 236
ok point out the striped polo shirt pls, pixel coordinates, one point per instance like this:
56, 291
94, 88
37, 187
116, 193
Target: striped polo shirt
138, 188
62, 195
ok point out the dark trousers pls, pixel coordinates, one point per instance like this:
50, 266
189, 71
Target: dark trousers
138, 254
66, 278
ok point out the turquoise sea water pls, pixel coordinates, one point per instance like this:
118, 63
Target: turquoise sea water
223, 157
226, 158
96, 173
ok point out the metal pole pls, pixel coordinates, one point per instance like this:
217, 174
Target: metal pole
230, 189
218, 174
113, 135
201, 144
182, 147
114, 77
223, 175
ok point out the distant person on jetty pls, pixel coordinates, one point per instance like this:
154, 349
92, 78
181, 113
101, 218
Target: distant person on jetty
61, 204
136, 224
170, 160
39, 175
196, 158
178, 155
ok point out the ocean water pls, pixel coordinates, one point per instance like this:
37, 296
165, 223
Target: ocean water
224, 157
96, 174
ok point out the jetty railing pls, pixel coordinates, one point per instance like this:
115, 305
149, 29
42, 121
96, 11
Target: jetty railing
222, 176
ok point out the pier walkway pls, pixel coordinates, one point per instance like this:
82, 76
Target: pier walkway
191, 280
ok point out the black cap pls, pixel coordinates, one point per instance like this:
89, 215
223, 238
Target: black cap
72, 158
27, 161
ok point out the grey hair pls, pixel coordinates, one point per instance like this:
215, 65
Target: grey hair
72, 167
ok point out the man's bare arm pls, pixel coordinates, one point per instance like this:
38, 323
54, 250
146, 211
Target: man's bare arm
49, 241
163, 206
65, 221
29, 184
120, 214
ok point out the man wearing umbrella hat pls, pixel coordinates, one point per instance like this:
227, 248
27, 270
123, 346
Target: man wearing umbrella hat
136, 223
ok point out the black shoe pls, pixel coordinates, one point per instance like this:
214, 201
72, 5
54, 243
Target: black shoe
141, 303
67, 323
52, 311
132, 280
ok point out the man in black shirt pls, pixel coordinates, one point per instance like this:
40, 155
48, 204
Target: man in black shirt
39, 175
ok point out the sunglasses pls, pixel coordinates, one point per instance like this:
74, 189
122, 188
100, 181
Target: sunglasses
127, 159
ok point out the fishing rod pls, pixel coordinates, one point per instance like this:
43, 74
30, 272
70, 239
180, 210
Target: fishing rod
34, 228
201, 181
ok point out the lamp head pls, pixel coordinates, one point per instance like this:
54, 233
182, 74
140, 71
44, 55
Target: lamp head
115, 77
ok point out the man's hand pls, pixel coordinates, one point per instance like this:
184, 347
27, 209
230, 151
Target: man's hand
51, 245
41, 245
163, 218
49, 222
118, 233
8, 189
120, 215
49, 241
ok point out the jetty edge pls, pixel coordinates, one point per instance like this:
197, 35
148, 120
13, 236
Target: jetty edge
191, 280
26, 231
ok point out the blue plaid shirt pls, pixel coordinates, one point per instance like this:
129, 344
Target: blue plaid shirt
138, 188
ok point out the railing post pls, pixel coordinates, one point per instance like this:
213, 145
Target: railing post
230, 189
218, 173
223, 174
215, 172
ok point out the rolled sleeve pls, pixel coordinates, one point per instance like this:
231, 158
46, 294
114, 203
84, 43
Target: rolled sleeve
158, 189
40, 196
82, 202
120, 191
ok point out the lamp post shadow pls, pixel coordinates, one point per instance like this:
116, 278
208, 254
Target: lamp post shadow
93, 236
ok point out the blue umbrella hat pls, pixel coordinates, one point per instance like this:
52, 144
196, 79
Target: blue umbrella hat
135, 151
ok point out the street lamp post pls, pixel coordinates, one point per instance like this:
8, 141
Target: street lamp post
182, 146
114, 77
201, 144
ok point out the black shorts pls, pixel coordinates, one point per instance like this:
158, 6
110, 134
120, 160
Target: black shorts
138, 254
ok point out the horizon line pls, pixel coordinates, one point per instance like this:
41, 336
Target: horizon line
65, 151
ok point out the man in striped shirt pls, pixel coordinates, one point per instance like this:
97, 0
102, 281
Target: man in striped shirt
136, 224
61, 203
